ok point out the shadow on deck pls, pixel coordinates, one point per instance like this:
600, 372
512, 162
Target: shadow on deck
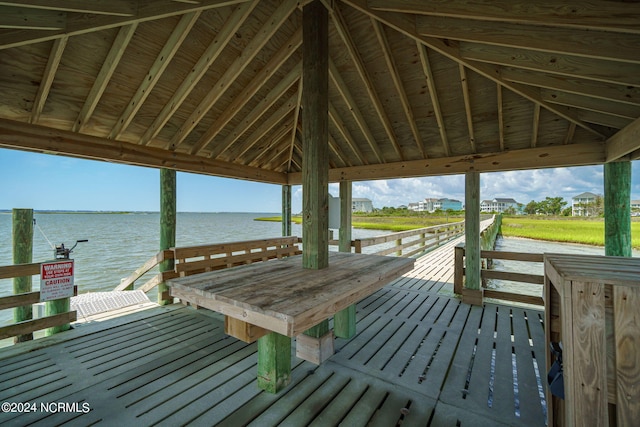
420, 357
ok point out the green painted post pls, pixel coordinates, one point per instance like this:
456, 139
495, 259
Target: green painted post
54, 307
274, 362
472, 230
286, 210
167, 226
22, 254
344, 322
617, 209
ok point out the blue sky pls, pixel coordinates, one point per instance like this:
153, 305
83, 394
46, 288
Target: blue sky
42, 181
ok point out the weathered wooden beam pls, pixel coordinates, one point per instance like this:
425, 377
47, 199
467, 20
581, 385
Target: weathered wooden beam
344, 322
500, 115
294, 130
467, 106
163, 59
590, 14
601, 106
108, 68
274, 362
578, 154
286, 210
168, 211
22, 232
242, 330
472, 231
76, 25
617, 209
42, 139
315, 134
535, 126
624, 142
230, 27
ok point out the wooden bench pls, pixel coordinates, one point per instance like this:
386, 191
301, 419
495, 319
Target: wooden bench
277, 300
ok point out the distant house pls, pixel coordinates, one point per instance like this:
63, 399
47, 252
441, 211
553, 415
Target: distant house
361, 205
433, 204
498, 205
584, 204
635, 205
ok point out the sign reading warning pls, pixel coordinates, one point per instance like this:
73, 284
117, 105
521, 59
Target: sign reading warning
56, 280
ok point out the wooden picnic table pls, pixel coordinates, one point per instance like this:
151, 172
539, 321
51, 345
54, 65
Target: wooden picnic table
279, 299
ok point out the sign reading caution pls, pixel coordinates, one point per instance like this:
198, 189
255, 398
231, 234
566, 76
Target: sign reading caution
56, 280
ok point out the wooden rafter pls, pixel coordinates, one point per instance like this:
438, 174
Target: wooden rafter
294, 130
267, 125
96, 7
31, 19
79, 24
225, 149
337, 122
337, 152
397, 81
276, 144
624, 142
406, 25
608, 120
47, 79
163, 59
24, 136
212, 52
598, 90
247, 54
250, 89
587, 43
108, 67
536, 125
570, 133
433, 93
500, 116
467, 106
345, 36
601, 70
591, 14
350, 100
604, 106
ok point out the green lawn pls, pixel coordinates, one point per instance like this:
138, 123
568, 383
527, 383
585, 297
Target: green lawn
590, 232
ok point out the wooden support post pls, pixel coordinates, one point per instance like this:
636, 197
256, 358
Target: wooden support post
458, 269
22, 254
344, 322
315, 135
274, 362
286, 210
58, 306
617, 209
472, 239
399, 244
315, 142
167, 226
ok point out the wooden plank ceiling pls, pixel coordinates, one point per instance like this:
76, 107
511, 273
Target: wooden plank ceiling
416, 87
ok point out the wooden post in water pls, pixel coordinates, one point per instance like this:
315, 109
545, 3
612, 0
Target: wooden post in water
22, 254
167, 226
617, 209
286, 210
344, 322
472, 291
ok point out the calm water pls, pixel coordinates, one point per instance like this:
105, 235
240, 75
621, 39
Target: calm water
534, 246
120, 243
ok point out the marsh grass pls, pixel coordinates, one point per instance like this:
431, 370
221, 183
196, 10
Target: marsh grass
589, 232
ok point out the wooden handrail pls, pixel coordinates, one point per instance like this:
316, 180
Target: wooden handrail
19, 270
144, 268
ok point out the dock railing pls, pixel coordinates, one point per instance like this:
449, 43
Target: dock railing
27, 327
486, 273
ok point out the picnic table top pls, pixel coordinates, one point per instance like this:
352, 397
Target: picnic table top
282, 296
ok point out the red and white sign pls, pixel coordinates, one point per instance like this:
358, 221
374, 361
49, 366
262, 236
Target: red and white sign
56, 280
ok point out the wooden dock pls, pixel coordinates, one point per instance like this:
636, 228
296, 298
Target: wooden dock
420, 357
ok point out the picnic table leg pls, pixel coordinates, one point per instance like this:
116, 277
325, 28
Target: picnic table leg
344, 322
274, 362
315, 345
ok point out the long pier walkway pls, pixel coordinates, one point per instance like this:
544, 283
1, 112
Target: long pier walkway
420, 357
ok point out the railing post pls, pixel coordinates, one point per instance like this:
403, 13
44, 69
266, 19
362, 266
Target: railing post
22, 254
458, 269
167, 226
399, 243
358, 246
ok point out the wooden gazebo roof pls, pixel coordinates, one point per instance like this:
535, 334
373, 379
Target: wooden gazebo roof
416, 87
